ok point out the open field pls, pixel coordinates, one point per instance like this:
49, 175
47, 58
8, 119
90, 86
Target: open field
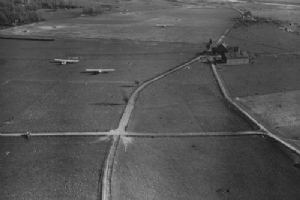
171, 24
133, 61
51, 168
268, 74
65, 99
62, 107
281, 111
203, 168
263, 39
37, 95
186, 101
287, 11
268, 87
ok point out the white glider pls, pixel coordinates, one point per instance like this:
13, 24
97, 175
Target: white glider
66, 61
100, 70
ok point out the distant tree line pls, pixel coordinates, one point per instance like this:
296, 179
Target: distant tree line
52, 4
14, 12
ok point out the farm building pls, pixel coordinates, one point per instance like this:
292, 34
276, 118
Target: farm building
235, 56
228, 55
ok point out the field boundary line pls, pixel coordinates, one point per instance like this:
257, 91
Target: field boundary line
293, 53
194, 134
131, 83
40, 134
131, 134
247, 115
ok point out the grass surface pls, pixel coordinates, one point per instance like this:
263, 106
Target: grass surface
38, 95
279, 110
186, 101
204, 167
183, 25
268, 74
51, 168
263, 39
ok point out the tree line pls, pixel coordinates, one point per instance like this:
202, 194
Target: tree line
15, 12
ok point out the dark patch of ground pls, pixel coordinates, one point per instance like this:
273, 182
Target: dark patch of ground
51, 167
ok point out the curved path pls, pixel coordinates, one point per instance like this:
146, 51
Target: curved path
121, 130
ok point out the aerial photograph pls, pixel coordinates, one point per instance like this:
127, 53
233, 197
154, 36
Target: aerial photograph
149, 100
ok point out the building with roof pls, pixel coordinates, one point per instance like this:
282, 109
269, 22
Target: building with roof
235, 56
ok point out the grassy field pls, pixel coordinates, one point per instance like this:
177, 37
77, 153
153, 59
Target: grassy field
268, 74
186, 101
63, 98
263, 38
51, 168
281, 111
287, 11
268, 87
274, 66
38, 95
204, 167
182, 24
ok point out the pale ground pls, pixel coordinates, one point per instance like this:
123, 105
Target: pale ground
279, 111
172, 24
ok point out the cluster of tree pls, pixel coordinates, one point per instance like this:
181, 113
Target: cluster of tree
52, 4
14, 12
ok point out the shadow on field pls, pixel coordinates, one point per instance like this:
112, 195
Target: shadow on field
106, 104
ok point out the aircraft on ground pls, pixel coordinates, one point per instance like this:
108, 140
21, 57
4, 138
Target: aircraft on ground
97, 71
66, 61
